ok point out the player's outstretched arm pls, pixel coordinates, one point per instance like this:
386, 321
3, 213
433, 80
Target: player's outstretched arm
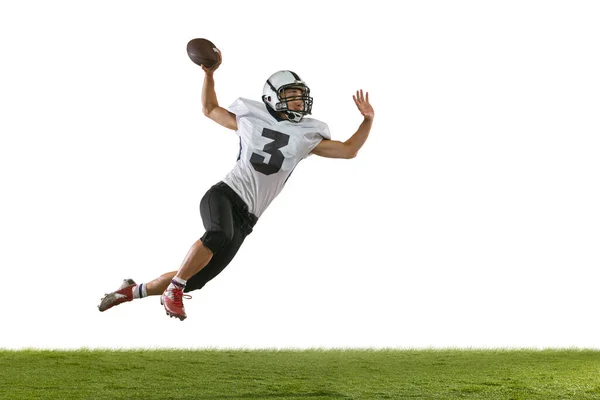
349, 148
210, 105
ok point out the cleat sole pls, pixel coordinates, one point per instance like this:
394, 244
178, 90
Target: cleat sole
181, 318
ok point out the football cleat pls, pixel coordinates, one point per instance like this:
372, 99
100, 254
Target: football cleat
126, 282
172, 300
121, 295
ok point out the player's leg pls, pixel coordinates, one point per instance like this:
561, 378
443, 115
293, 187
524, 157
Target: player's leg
160, 284
223, 229
217, 216
198, 256
157, 286
174, 305
243, 222
217, 264
214, 267
129, 290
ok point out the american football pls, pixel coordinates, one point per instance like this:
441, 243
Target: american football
202, 52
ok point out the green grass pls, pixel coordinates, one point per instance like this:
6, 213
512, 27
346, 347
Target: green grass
300, 374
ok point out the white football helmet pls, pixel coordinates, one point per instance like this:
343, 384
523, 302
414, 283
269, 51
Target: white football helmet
273, 93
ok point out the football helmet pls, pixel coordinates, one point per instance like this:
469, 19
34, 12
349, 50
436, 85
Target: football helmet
273, 94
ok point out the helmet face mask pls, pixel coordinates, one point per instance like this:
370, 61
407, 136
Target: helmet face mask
274, 95
283, 104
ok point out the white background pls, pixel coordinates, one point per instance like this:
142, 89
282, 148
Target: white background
470, 218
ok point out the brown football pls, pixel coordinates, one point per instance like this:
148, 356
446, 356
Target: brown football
202, 52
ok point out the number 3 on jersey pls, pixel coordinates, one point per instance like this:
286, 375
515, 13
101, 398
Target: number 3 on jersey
279, 140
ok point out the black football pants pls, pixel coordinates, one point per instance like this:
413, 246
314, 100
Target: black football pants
227, 222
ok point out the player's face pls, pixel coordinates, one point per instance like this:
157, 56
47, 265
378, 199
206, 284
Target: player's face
294, 105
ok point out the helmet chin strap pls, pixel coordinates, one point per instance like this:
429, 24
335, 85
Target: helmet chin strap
292, 116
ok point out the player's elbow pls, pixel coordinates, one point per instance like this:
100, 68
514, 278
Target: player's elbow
208, 108
349, 152
206, 111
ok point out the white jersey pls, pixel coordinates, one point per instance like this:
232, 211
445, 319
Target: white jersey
270, 149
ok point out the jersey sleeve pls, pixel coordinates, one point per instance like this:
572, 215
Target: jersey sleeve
323, 133
239, 108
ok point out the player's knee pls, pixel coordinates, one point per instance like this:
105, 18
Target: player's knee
217, 240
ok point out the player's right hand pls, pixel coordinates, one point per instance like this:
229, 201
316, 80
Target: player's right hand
214, 67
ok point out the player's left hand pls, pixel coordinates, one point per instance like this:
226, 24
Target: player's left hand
363, 105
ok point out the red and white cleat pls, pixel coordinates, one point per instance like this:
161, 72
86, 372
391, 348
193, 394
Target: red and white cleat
121, 295
172, 300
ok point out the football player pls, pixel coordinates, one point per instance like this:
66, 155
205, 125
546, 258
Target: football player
275, 135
